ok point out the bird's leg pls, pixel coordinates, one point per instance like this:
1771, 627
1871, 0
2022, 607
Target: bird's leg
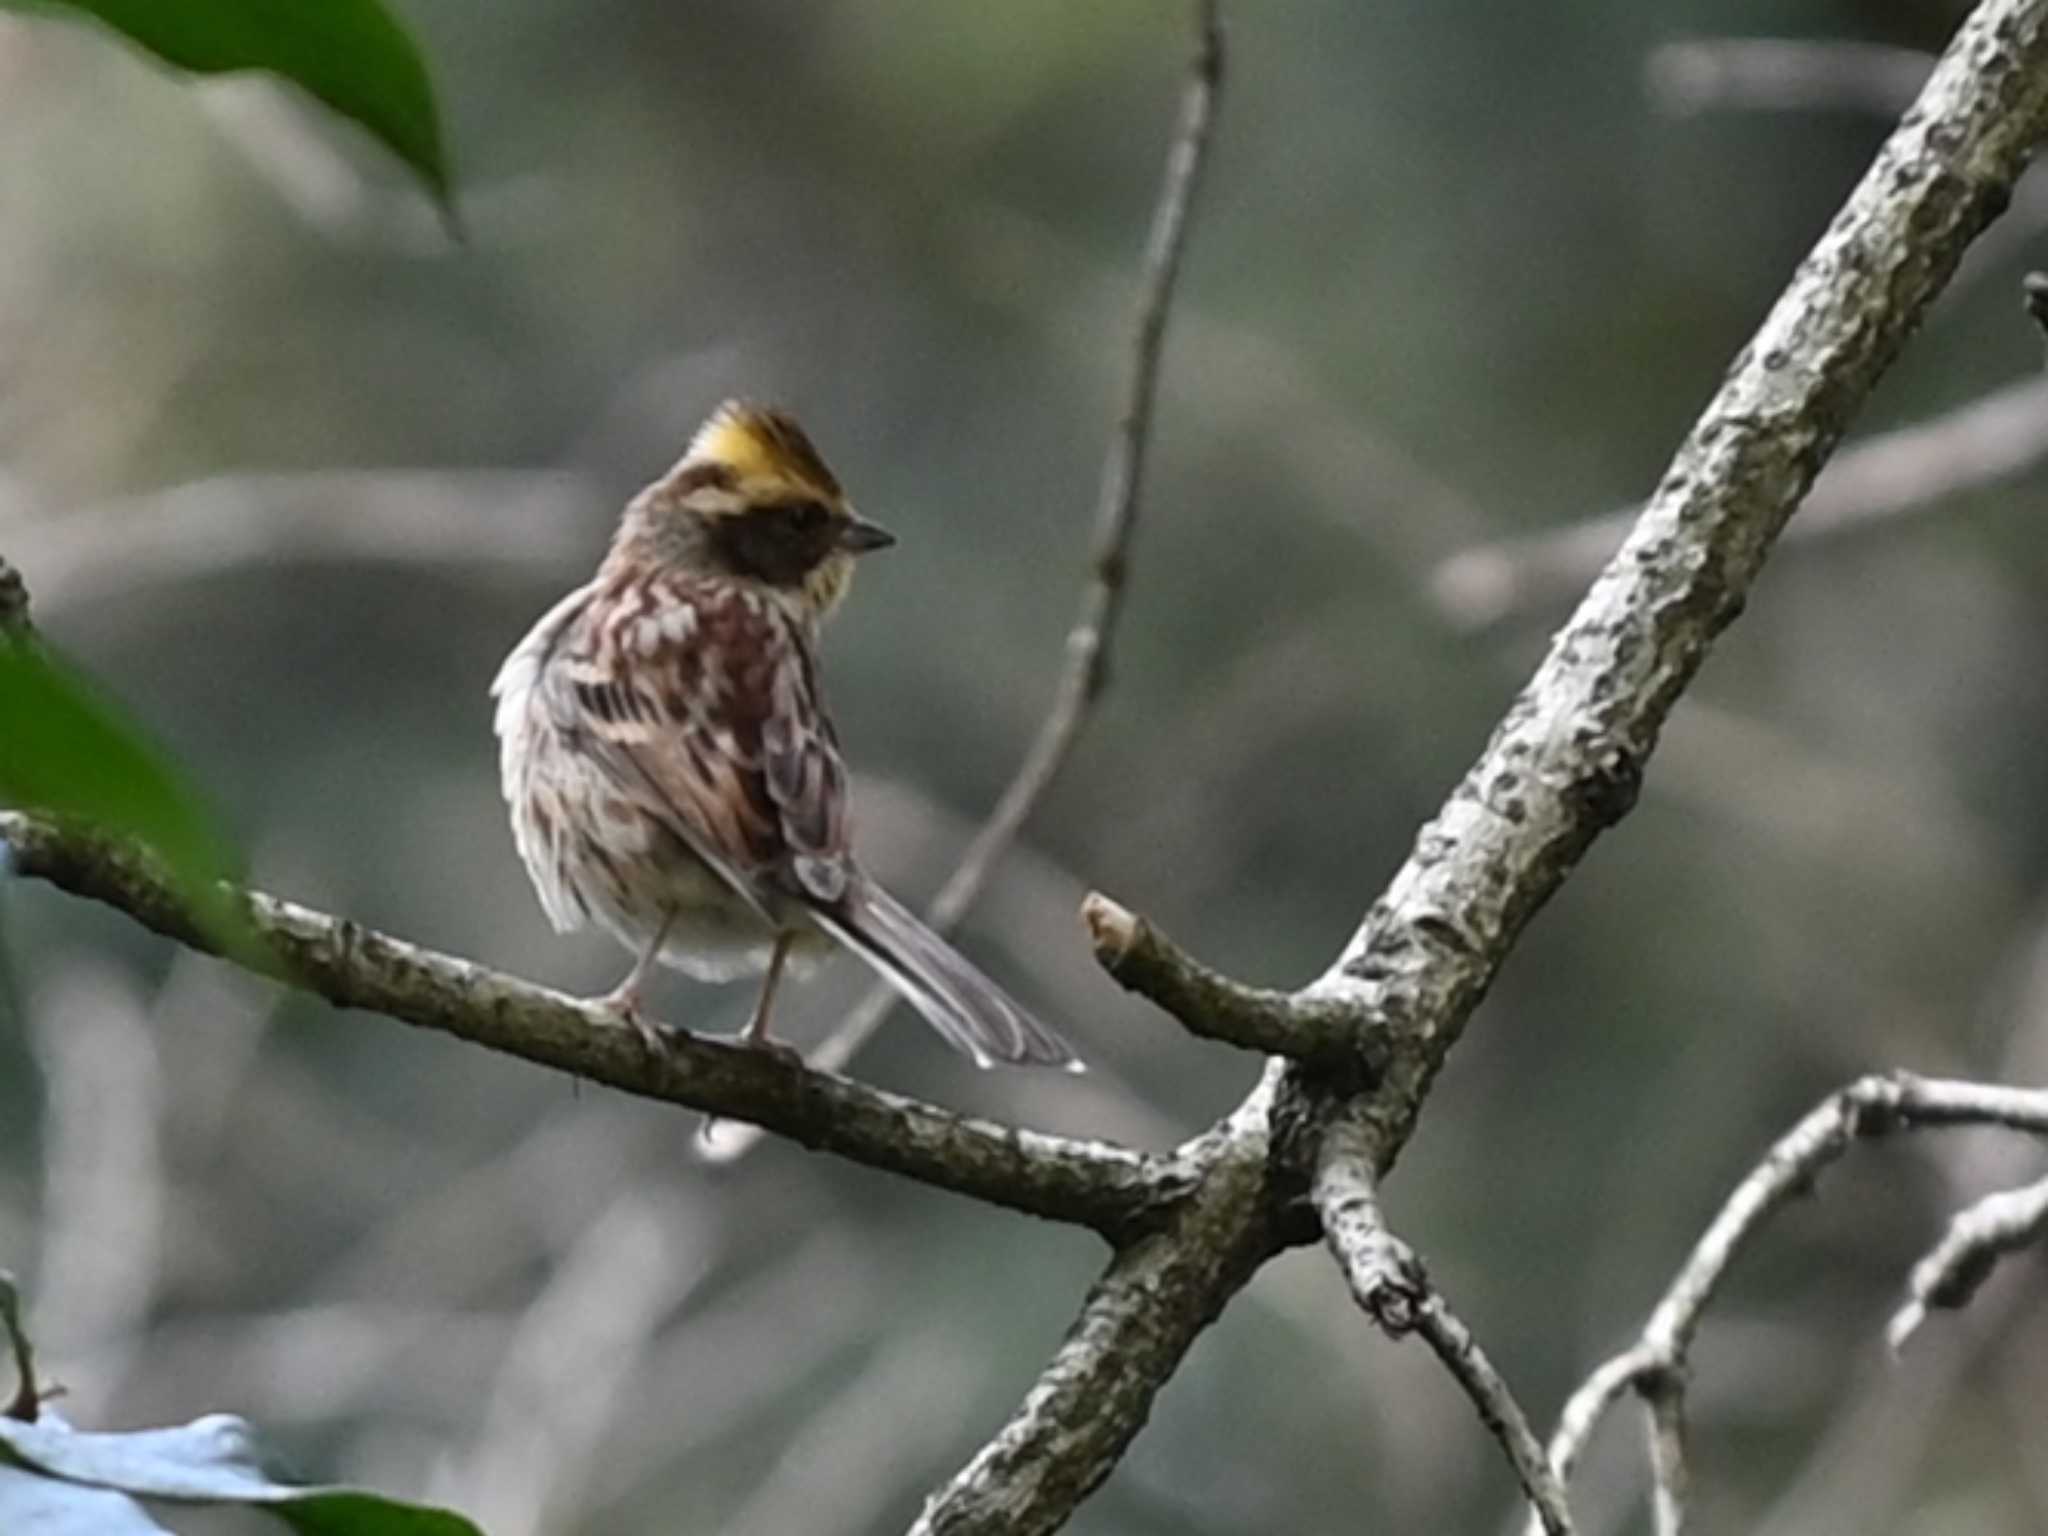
756, 1033
624, 999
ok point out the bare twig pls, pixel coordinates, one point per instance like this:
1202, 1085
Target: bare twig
1116, 521
28, 1396
1896, 474
1655, 1365
1664, 1423
1389, 1282
1096, 1184
1976, 1239
1138, 955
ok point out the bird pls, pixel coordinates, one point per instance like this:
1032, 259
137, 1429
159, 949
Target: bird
670, 769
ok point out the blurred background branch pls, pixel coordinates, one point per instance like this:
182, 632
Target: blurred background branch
1776, 74
476, 521
1657, 1365
1117, 504
1902, 473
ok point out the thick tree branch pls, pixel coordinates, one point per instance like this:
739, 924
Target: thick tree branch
1976, 1239
1117, 503
1656, 1364
1389, 1282
1568, 757
1157, 1294
1109, 1188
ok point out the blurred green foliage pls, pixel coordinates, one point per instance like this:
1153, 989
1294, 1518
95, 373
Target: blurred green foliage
69, 751
351, 54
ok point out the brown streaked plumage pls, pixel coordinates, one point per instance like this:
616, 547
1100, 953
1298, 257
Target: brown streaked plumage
670, 769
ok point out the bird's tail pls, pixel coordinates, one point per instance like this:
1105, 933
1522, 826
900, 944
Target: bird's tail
970, 1011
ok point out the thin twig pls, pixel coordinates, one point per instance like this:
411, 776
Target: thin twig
1655, 1364
1137, 954
1116, 522
1977, 1238
1663, 1397
1915, 469
1389, 1283
1096, 1184
28, 1397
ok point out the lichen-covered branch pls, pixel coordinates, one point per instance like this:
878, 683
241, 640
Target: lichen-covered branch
1110, 1188
1136, 1325
1566, 761
1389, 1283
1656, 1364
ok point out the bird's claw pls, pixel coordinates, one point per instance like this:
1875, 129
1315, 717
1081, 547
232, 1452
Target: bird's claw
785, 1053
625, 1003
760, 1040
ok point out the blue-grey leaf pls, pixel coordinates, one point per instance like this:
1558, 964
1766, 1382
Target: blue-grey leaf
34, 1505
213, 1460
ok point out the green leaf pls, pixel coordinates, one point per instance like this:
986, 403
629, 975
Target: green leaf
351, 54
66, 750
213, 1460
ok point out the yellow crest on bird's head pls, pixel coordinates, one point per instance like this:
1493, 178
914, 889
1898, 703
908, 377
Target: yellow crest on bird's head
763, 447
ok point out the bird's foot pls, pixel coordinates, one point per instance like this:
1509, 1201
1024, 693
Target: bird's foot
624, 1000
755, 1037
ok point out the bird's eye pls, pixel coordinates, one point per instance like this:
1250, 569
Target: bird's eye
807, 516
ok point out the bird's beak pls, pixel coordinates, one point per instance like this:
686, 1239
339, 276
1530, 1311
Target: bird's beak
859, 536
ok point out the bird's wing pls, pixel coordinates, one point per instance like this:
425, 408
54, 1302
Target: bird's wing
701, 705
